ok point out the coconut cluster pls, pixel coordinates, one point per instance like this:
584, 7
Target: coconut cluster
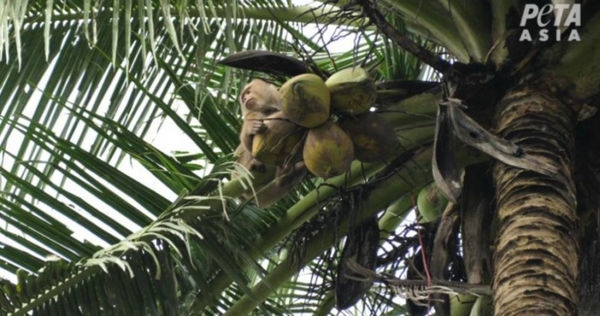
329, 120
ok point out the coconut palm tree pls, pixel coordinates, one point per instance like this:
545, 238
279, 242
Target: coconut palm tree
502, 124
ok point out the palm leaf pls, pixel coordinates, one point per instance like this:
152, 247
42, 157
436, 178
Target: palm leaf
110, 82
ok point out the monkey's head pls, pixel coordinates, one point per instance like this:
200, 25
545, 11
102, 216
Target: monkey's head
260, 96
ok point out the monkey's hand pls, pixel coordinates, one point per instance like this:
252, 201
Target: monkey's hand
290, 174
257, 127
256, 165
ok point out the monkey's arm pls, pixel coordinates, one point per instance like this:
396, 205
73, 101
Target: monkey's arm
253, 124
239, 152
244, 157
280, 181
280, 186
291, 174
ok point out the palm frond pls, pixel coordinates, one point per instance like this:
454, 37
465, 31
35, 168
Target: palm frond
117, 74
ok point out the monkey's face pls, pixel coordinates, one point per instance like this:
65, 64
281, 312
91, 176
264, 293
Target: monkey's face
260, 96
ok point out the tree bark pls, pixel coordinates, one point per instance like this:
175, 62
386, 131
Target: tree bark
536, 254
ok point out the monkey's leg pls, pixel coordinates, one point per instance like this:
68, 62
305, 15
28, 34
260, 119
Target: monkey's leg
290, 174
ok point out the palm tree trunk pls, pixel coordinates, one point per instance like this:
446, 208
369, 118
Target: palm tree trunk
536, 253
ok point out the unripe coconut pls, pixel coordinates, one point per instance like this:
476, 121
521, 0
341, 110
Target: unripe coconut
373, 137
431, 203
278, 142
305, 100
328, 151
460, 305
483, 306
352, 90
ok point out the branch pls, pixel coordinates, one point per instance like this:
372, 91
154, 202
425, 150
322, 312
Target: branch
61, 287
436, 287
471, 22
401, 182
438, 25
419, 51
384, 193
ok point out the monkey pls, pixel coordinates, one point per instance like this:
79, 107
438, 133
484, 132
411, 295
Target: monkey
252, 125
284, 179
260, 96
258, 100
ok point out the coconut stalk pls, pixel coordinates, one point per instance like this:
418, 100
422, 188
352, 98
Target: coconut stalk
414, 173
307, 207
536, 255
396, 213
301, 212
385, 193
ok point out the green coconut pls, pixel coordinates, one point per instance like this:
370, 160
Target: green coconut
372, 136
277, 144
352, 90
328, 151
431, 203
460, 305
305, 100
483, 306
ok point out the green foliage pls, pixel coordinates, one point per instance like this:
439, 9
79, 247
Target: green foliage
86, 95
